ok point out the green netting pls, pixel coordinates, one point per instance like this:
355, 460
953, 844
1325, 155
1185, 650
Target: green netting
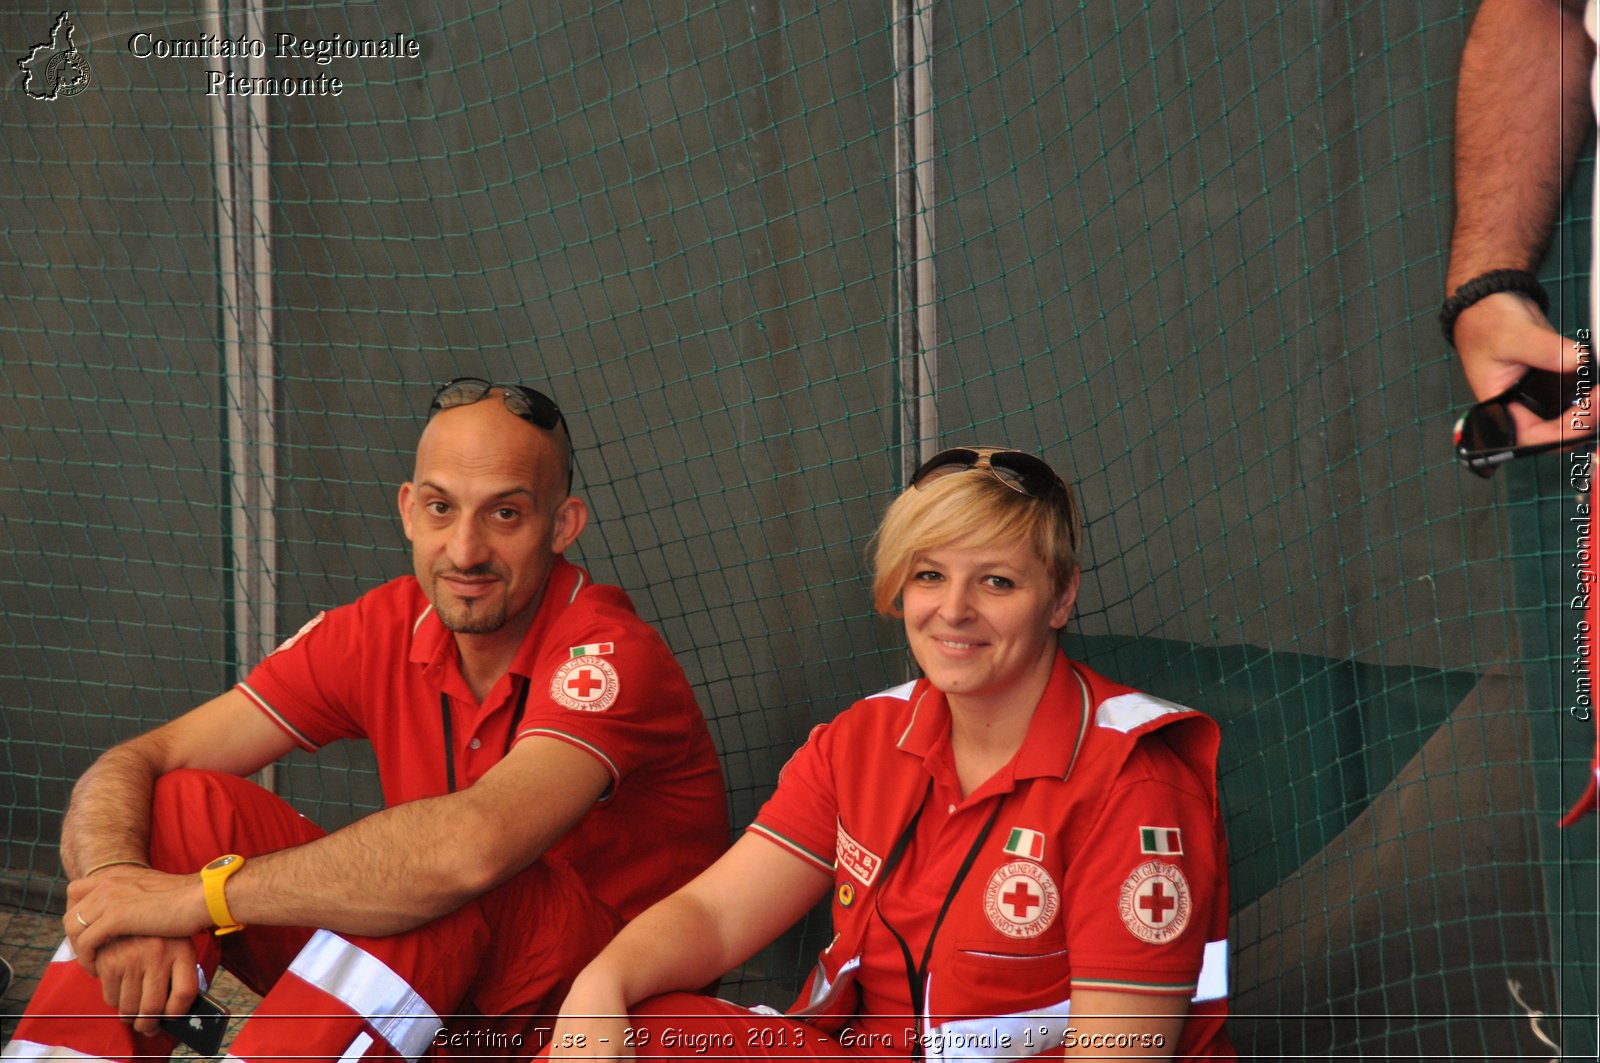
1190, 251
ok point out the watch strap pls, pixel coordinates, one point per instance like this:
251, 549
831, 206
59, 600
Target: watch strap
213, 879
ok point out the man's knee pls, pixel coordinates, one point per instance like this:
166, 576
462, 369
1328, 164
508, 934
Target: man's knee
196, 816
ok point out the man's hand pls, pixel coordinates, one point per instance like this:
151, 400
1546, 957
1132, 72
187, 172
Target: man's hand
145, 978
132, 902
1499, 339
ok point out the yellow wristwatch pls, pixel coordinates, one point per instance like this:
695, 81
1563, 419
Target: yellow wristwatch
213, 877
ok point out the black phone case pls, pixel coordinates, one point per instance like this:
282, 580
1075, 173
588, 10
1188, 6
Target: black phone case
203, 1028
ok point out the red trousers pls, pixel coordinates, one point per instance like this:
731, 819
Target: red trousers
481, 980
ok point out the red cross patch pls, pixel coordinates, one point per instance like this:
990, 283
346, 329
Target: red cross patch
1021, 899
1154, 902
588, 684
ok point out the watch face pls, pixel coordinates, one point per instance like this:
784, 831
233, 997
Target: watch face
220, 862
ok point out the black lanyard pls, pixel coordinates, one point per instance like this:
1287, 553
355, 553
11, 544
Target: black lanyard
917, 973
449, 731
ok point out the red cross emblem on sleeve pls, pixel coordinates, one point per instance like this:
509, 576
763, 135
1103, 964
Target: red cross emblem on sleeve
1154, 902
586, 684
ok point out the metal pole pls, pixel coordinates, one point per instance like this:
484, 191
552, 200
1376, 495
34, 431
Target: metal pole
917, 295
244, 260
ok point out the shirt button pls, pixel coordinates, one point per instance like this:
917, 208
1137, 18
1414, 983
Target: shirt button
474, 743
951, 810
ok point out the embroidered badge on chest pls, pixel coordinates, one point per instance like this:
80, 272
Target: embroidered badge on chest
1155, 902
856, 858
1021, 900
587, 683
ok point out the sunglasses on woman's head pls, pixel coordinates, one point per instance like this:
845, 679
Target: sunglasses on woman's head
1018, 470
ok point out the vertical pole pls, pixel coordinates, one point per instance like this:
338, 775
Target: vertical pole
917, 291
244, 260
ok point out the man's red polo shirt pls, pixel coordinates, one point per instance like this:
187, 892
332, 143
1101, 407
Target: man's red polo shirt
589, 673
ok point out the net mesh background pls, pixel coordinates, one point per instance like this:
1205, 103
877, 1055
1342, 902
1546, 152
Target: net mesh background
1192, 253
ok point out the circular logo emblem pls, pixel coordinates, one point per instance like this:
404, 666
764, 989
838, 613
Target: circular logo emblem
1021, 900
1155, 902
587, 683
67, 74
847, 895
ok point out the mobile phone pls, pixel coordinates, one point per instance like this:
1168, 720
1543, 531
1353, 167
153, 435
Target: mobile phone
203, 1028
5, 976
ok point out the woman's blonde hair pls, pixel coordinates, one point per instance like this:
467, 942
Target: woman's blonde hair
977, 506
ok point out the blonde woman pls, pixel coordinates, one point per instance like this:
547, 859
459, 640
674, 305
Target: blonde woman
1023, 857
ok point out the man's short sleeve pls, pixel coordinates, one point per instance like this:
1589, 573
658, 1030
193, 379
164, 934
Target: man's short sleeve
305, 685
615, 692
803, 815
1139, 907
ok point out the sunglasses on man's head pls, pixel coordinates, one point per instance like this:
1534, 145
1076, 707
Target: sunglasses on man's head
1486, 435
535, 407
1018, 470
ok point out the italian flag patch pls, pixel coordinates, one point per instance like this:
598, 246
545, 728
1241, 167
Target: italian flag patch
1161, 841
594, 649
1025, 842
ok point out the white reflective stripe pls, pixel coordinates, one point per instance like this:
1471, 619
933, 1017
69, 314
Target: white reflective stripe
1213, 973
1027, 1033
1125, 712
824, 992
358, 1048
35, 1050
1016, 1036
371, 989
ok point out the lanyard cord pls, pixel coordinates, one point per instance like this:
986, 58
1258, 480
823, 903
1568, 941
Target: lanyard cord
449, 731
917, 973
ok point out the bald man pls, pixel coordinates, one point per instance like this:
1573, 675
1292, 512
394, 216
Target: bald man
526, 724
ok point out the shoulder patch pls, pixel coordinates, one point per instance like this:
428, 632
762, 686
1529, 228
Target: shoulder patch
1154, 902
305, 629
1129, 712
586, 684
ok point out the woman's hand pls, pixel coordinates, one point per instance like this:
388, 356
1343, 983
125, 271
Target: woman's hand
593, 1023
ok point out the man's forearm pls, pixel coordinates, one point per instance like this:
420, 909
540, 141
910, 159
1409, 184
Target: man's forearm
108, 819
1522, 112
386, 873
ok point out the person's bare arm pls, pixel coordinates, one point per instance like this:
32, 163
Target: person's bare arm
105, 837
108, 819
1522, 112
734, 908
389, 872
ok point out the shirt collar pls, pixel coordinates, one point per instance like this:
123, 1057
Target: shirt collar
1055, 734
